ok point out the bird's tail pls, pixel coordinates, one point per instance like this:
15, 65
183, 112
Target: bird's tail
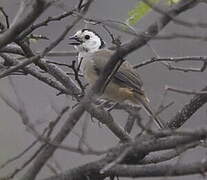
144, 101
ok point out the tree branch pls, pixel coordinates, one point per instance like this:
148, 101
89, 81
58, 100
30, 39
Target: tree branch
38, 6
188, 110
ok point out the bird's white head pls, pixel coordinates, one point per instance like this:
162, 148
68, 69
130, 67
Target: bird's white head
87, 40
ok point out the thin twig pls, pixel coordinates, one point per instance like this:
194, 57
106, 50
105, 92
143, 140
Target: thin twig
185, 91
6, 17
171, 59
19, 155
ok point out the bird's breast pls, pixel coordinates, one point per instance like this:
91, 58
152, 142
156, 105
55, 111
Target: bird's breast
87, 68
113, 91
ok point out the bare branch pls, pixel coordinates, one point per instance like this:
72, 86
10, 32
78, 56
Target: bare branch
176, 19
185, 91
44, 23
182, 169
141, 145
19, 66
18, 25
165, 156
48, 149
66, 128
61, 53
6, 17
188, 110
12, 49
19, 155
172, 59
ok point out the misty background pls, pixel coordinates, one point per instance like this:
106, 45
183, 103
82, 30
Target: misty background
38, 97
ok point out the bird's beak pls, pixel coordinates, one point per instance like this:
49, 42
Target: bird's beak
75, 41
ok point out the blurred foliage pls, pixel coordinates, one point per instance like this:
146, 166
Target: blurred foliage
141, 9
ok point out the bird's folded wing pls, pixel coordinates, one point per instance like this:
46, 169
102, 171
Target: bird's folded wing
126, 76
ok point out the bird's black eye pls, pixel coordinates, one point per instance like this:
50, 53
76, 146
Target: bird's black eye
87, 37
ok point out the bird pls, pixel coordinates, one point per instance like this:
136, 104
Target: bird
125, 85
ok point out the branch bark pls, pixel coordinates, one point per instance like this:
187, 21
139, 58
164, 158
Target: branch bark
187, 111
20, 24
140, 147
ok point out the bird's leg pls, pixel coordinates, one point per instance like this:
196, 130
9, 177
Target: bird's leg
109, 109
103, 103
108, 105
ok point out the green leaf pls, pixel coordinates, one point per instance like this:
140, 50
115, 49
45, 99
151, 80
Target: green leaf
141, 9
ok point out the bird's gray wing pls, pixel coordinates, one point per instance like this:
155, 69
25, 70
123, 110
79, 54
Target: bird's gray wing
126, 76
